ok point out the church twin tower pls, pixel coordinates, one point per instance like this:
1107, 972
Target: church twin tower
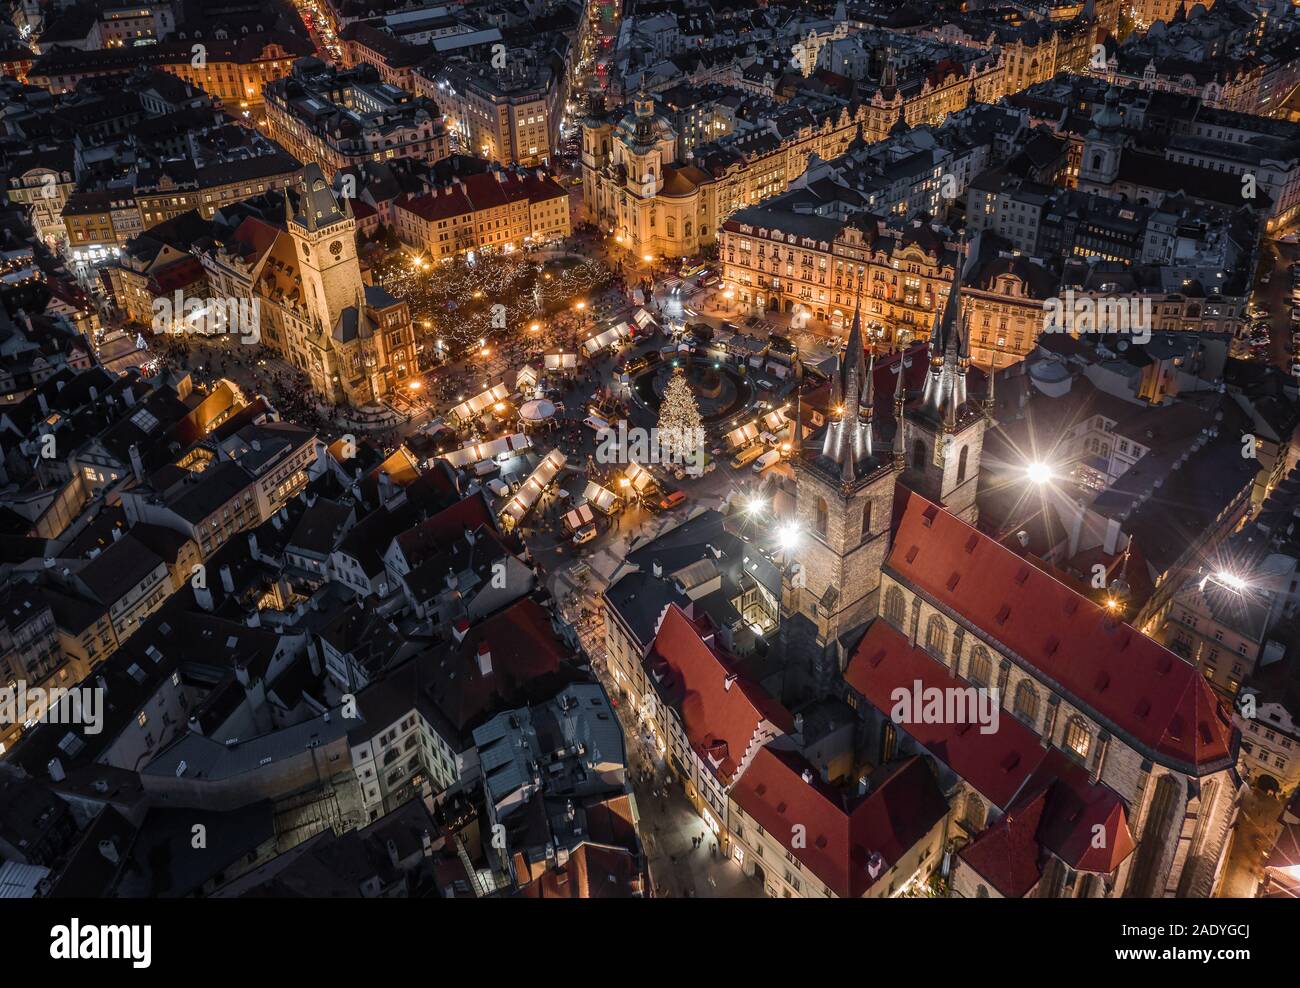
846, 483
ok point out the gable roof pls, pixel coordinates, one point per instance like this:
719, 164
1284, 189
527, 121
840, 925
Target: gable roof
1125, 680
840, 841
720, 710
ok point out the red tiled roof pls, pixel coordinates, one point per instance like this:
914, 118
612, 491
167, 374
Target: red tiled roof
1076, 806
839, 842
996, 764
177, 274
523, 648
693, 675
592, 872
482, 191
1058, 811
1006, 854
433, 534
253, 238
1124, 678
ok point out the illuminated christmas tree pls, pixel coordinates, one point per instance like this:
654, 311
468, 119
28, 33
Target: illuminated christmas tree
681, 429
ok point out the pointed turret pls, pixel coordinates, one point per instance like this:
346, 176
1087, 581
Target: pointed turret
900, 403
848, 437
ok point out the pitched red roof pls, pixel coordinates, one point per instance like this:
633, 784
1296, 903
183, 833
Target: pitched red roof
996, 764
1076, 806
253, 238
1057, 812
592, 872
839, 841
1126, 680
721, 711
523, 648
1007, 854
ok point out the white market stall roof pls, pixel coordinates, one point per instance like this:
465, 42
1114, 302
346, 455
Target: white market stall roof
602, 497
528, 495
487, 450
561, 361
643, 319
526, 377
579, 516
467, 410
640, 478
609, 337
746, 433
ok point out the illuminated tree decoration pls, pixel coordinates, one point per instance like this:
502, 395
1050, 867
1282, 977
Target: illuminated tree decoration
680, 425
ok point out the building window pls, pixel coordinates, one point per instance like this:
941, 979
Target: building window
894, 607
866, 521
1026, 702
936, 636
1077, 738
823, 520
981, 666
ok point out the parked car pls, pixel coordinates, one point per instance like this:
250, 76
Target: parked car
585, 534
669, 498
498, 487
746, 456
770, 458
709, 279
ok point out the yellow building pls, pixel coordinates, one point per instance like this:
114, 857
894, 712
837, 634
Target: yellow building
493, 211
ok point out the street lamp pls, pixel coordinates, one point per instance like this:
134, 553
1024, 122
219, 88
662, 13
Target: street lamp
1040, 473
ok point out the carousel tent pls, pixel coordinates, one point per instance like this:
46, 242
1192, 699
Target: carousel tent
531, 492
537, 410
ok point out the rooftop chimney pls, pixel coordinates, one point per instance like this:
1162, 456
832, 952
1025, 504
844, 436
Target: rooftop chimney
108, 848
484, 658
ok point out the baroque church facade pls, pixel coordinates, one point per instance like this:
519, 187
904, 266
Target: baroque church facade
1111, 769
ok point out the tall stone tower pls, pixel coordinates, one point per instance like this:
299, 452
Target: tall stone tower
324, 236
843, 502
942, 433
1104, 144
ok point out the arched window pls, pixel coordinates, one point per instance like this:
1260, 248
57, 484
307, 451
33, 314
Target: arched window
823, 517
918, 454
981, 893
961, 463
974, 815
866, 520
894, 607
981, 666
1026, 703
1077, 738
936, 635
686, 229
672, 226
1096, 162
